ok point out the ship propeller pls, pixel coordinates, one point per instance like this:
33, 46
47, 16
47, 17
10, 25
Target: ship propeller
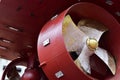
84, 40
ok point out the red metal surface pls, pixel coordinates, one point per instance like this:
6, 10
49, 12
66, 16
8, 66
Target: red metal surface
55, 54
30, 16
56, 57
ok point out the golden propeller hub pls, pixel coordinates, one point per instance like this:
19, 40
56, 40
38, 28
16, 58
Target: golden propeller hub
92, 43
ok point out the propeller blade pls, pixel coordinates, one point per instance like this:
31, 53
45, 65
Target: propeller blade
107, 59
74, 38
83, 61
92, 28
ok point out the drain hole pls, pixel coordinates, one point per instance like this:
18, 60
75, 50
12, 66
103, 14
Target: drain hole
6, 40
3, 47
14, 29
29, 46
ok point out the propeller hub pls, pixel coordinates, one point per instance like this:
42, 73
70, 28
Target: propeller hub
92, 43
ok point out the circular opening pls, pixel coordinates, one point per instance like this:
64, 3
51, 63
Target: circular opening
94, 62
